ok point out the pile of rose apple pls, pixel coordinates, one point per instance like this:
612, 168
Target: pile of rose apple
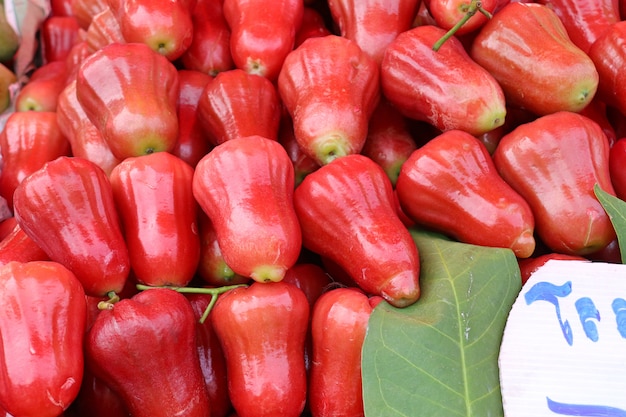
245, 148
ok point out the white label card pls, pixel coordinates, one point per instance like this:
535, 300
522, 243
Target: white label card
563, 350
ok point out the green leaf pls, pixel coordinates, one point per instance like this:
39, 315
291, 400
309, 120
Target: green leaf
439, 357
616, 209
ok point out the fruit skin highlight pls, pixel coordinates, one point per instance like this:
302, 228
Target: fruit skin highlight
445, 88
526, 48
348, 214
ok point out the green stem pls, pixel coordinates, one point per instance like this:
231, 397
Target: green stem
474, 6
485, 12
108, 304
208, 309
214, 292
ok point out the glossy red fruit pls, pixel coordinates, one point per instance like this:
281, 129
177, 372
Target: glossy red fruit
58, 35
42, 323
585, 20
245, 186
212, 359
262, 36
262, 330
608, 54
67, 208
529, 266
389, 141
303, 164
330, 88
7, 224
18, 246
235, 104
447, 13
95, 397
373, 24
129, 92
41, 91
27, 142
419, 82
144, 348
313, 25
554, 162
209, 51
347, 213
450, 184
165, 26
192, 143
338, 327
597, 111
104, 29
75, 57
85, 10
527, 41
311, 278
159, 215
85, 140
617, 164
212, 268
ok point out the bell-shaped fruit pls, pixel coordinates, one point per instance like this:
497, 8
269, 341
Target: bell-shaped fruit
609, 54
451, 184
159, 217
585, 20
163, 25
236, 103
338, 327
445, 88
348, 214
42, 322
42, 90
209, 51
85, 139
389, 141
67, 208
129, 92
373, 24
554, 163
330, 88
144, 348
526, 48
245, 186
262, 34
27, 141
104, 29
192, 143
262, 330
448, 13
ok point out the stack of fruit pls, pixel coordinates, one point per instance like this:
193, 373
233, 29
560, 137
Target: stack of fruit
207, 200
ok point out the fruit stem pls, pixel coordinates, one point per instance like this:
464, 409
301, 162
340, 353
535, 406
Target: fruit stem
214, 292
474, 6
108, 304
208, 309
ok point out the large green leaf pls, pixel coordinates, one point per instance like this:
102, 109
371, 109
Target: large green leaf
616, 209
439, 357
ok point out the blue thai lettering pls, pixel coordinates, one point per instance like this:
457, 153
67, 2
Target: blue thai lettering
584, 410
619, 308
546, 291
588, 312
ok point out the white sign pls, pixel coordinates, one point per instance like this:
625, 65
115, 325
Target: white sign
563, 350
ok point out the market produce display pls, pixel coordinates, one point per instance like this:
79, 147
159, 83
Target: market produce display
316, 208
